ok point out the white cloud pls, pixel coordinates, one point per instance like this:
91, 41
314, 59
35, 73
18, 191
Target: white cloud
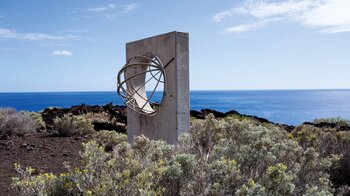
74, 31
222, 15
243, 28
129, 7
54, 45
246, 27
330, 16
97, 9
261, 9
123, 9
338, 29
109, 11
111, 5
62, 53
101, 9
333, 16
9, 33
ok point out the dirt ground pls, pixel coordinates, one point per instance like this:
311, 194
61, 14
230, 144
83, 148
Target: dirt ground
39, 150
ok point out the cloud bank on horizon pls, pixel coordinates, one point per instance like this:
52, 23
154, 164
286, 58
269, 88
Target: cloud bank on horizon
328, 16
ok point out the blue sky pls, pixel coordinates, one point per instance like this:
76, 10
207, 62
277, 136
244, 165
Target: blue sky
255, 44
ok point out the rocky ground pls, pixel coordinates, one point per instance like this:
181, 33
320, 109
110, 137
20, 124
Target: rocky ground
39, 150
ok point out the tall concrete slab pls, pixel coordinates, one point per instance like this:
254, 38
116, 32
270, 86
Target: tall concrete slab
173, 117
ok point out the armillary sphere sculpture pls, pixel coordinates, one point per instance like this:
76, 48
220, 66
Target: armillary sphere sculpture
132, 83
162, 115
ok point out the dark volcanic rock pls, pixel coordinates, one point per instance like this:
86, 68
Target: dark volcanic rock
329, 125
116, 112
217, 114
49, 115
119, 114
197, 114
98, 126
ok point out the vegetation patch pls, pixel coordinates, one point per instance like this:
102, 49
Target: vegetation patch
226, 156
15, 123
70, 125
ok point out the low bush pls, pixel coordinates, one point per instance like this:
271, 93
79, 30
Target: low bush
98, 117
216, 157
15, 123
109, 139
104, 121
70, 125
37, 117
328, 141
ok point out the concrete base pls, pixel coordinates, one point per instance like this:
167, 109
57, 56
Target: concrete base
173, 117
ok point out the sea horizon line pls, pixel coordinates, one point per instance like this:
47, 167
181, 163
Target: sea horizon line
222, 90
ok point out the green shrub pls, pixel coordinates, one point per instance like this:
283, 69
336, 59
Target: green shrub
256, 148
344, 137
37, 117
217, 157
327, 141
15, 123
109, 139
72, 125
97, 117
251, 188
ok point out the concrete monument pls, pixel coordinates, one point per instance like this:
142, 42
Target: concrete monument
164, 59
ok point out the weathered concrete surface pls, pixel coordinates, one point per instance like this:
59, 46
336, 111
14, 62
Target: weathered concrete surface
173, 117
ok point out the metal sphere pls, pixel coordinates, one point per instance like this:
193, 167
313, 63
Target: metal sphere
131, 81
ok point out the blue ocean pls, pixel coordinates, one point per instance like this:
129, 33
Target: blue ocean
282, 106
